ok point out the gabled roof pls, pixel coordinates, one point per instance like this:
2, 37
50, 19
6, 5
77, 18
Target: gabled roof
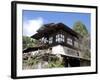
50, 28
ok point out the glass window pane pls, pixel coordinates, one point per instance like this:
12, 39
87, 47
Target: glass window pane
76, 44
50, 40
69, 41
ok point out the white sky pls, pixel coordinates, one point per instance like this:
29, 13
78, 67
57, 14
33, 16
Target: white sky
31, 26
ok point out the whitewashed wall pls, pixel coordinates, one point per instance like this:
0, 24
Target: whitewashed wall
59, 49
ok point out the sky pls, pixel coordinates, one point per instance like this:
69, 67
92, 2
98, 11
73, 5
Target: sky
33, 20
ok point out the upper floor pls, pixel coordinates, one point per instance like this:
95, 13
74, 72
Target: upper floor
54, 34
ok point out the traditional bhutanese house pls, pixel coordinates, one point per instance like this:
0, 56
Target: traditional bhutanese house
61, 40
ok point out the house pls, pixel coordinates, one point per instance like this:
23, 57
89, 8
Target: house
61, 41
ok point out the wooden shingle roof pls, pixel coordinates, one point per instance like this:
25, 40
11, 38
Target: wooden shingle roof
51, 28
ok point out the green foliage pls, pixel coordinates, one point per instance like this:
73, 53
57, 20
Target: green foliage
28, 42
54, 64
87, 54
86, 47
80, 28
33, 60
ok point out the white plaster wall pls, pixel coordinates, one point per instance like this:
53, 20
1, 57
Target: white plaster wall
59, 49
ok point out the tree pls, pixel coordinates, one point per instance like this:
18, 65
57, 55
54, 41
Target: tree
80, 28
28, 42
86, 46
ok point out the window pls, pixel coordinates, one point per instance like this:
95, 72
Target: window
59, 38
44, 40
76, 44
50, 40
69, 41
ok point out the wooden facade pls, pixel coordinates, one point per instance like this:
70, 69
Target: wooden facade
54, 34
